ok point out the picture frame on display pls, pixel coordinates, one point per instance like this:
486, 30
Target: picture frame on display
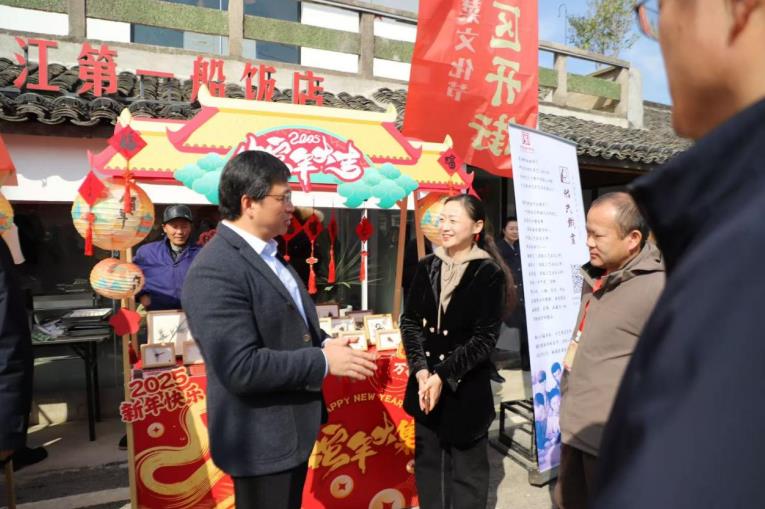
158, 355
168, 327
343, 325
356, 339
375, 323
325, 324
359, 315
191, 353
388, 339
328, 310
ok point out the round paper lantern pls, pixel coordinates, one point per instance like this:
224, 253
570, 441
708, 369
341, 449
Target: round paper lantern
113, 228
6, 214
430, 209
116, 279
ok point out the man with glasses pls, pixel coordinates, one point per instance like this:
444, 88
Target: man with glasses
684, 431
259, 335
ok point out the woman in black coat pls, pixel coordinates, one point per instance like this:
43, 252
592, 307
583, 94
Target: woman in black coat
450, 325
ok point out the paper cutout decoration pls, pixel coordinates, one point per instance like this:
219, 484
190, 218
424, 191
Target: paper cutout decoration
429, 213
125, 322
332, 232
6, 214
101, 217
364, 231
312, 229
294, 229
115, 279
128, 142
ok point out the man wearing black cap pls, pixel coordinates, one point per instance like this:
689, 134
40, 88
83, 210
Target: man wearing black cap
165, 262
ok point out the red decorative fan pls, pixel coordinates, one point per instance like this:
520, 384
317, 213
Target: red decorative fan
91, 190
312, 228
294, 229
332, 231
364, 231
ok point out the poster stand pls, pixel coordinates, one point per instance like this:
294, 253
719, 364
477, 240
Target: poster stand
523, 455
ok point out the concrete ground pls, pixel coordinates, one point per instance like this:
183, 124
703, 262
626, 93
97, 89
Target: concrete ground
83, 474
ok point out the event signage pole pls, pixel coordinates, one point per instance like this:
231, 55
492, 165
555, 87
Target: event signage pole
551, 225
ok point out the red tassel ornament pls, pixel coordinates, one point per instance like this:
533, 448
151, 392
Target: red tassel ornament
312, 228
332, 231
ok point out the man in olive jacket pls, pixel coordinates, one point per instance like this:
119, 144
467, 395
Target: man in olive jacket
622, 282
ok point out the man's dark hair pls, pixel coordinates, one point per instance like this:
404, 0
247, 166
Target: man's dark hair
507, 220
628, 216
252, 173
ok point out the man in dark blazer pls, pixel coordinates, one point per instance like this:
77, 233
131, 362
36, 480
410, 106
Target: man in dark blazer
259, 334
16, 361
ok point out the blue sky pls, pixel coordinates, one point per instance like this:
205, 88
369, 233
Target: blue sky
644, 54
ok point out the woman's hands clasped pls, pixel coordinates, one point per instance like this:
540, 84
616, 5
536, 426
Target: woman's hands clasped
429, 390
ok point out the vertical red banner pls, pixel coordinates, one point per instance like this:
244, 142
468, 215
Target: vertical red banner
474, 69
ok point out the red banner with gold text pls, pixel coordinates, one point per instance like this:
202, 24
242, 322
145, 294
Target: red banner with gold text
474, 69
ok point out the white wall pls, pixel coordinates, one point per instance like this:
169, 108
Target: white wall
337, 19
103, 30
28, 20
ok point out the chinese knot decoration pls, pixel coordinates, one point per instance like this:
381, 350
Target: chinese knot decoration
364, 231
128, 143
332, 232
312, 228
294, 229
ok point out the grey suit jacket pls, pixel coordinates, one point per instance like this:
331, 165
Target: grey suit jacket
264, 364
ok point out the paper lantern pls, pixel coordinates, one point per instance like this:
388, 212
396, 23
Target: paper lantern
429, 211
113, 228
6, 214
116, 279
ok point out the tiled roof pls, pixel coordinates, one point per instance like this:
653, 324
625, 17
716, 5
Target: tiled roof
169, 98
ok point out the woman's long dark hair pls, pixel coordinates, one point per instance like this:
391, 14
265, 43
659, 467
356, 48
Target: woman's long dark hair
477, 212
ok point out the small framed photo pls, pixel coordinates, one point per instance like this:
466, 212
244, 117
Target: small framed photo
326, 324
357, 339
191, 353
328, 310
158, 355
388, 339
375, 323
168, 327
358, 316
343, 325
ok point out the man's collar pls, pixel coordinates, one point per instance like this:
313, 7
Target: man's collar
259, 245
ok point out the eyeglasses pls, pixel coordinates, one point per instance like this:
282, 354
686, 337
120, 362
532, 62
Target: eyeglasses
282, 198
647, 13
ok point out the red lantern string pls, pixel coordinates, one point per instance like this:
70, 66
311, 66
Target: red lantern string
128, 203
89, 235
128, 142
364, 231
332, 231
294, 228
312, 228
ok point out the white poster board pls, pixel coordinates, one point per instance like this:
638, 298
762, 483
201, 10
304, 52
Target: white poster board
553, 237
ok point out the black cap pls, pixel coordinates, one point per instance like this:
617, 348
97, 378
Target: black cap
177, 211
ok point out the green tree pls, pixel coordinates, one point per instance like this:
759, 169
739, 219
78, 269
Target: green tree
605, 29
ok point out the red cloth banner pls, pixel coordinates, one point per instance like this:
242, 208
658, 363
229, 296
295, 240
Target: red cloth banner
474, 69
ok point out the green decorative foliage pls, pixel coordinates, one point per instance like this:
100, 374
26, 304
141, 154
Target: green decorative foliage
385, 183
605, 29
38, 5
203, 176
161, 14
298, 34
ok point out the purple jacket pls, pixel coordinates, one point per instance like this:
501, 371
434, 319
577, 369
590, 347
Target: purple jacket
164, 277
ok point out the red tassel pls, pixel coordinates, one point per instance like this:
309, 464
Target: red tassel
312, 282
331, 277
89, 235
132, 355
128, 205
363, 269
